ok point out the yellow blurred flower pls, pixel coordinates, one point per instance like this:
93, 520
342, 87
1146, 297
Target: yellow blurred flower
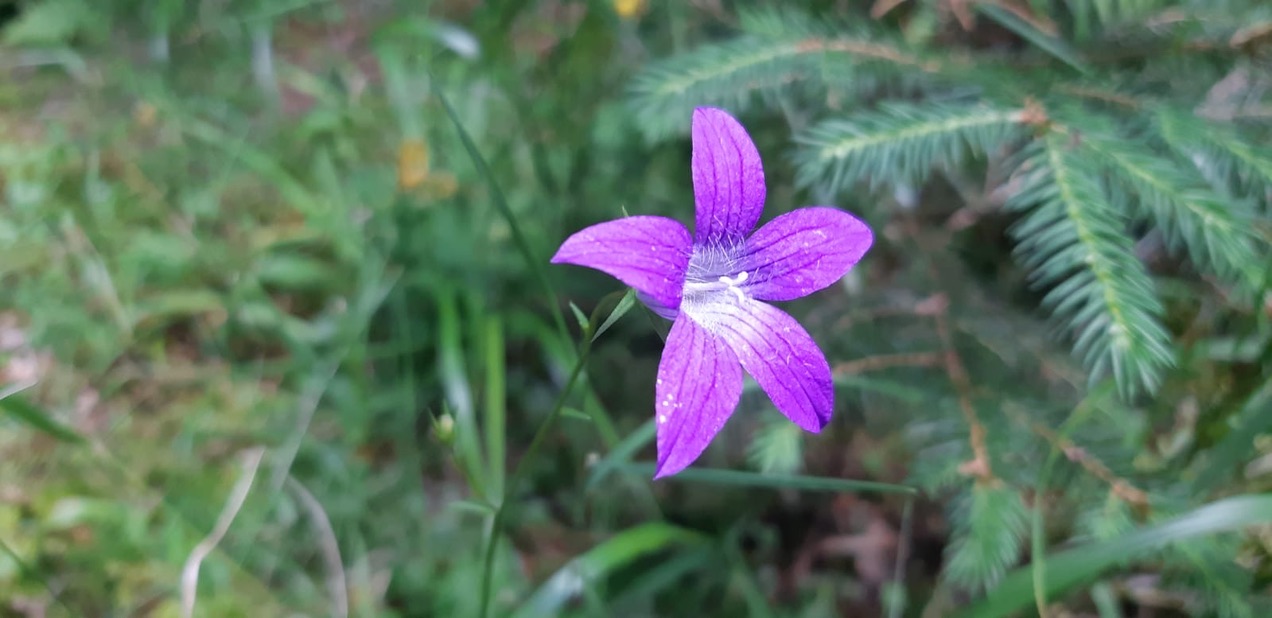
413, 171
628, 9
412, 164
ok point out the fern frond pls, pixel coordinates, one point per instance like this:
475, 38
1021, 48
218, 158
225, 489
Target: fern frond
1213, 231
1221, 155
900, 143
989, 534
736, 73
1074, 240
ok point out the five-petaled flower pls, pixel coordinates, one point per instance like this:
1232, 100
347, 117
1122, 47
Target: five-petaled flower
712, 286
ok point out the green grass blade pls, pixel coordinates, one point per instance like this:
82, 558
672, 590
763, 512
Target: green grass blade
1080, 564
458, 392
584, 570
496, 402
32, 415
1056, 48
622, 453
742, 478
533, 261
620, 308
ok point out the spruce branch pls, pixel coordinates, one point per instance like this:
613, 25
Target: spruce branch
1075, 242
1219, 153
1214, 232
735, 73
901, 143
979, 467
1121, 488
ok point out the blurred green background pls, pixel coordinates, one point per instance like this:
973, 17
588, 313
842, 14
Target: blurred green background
277, 327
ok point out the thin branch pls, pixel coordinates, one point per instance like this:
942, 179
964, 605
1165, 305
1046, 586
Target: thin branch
1120, 487
238, 495
337, 582
979, 467
866, 50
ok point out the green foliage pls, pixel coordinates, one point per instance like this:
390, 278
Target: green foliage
1213, 230
1075, 242
784, 53
1121, 146
1096, 291
900, 143
991, 526
318, 231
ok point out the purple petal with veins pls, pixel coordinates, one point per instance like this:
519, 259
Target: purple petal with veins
699, 384
779, 354
647, 253
728, 178
803, 251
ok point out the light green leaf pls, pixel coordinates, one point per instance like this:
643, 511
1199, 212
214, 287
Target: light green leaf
26, 412
1080, 564
585, 571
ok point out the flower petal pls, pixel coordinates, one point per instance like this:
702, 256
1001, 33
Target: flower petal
778, 353
803, 251
728, 178
647, 253
699, 385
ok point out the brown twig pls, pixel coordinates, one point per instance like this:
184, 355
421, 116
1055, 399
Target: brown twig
866, 49
1102, 95
979, 466
1120, 487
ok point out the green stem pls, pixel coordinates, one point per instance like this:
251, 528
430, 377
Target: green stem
1037, 528
501, 512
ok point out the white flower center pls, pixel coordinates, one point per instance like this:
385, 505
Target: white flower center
713, 277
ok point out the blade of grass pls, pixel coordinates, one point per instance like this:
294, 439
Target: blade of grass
743, 478
28, 413
501, 514
621, 454
1083, 563
1053, 46
458, 393
586, 569
496, 411
533, 261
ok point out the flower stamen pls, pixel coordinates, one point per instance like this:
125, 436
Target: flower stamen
734, 282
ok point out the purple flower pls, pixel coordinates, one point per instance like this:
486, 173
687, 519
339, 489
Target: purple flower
712, 286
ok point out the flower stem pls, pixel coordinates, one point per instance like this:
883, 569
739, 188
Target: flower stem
520, 470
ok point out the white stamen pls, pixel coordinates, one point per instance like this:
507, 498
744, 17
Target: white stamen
734, 282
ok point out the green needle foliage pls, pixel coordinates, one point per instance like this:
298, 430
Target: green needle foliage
1078, 234
299, 250
1123, 145
1073, 240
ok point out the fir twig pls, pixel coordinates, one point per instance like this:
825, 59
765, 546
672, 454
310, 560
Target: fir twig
1120, 487
937, 306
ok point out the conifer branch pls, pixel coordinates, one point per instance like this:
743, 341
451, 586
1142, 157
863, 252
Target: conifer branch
1221, 155
1213, 231
734, 73
1075, 242
1123, 489
901, 143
